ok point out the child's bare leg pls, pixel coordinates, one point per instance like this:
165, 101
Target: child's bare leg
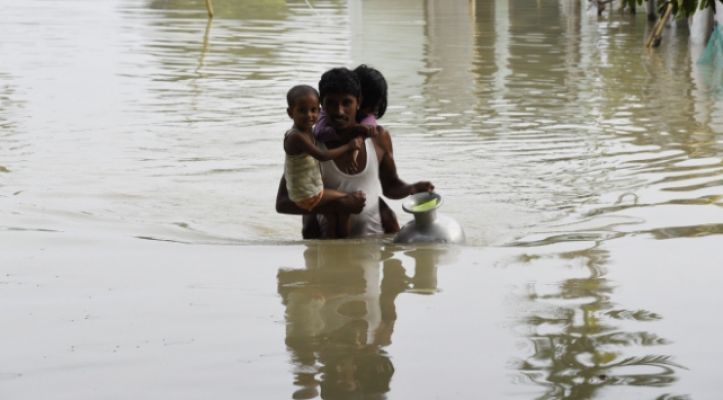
338, 224
331, 226
328, 196
343, 225
310, 227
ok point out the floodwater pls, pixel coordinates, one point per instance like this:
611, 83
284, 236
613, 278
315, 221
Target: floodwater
141, 256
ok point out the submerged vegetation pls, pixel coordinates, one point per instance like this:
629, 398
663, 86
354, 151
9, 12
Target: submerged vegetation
681, 8
685, 8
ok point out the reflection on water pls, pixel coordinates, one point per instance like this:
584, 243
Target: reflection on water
340, 315
340, 312
579, 346
225, 9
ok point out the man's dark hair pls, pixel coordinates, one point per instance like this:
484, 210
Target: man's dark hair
339, 81
299, 91
373, 89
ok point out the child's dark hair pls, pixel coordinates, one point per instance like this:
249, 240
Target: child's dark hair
339, 81
299, 91
373, 89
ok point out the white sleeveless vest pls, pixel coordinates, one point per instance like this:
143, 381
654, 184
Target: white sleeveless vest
369, 221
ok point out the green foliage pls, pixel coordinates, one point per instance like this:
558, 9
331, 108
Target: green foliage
683, 8
632, 3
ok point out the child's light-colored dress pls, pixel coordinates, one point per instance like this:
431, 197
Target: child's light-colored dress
303, 178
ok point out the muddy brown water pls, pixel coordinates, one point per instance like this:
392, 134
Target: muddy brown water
141, 257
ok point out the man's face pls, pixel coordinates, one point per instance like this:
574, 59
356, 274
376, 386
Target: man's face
341, 109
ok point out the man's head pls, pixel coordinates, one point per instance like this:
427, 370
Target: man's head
340, 96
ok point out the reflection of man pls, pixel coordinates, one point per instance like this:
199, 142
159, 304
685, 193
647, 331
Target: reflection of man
341, 314
374, 173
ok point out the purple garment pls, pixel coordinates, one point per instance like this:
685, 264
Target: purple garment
324, 132
369, 120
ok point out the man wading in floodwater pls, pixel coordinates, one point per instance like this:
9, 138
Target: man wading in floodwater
375, 172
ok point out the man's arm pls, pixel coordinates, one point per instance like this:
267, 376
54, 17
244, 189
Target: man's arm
392, 186
284, 205
348, 204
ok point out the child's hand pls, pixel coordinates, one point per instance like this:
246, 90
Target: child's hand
354, 164
374, 131
362, 130
356, 144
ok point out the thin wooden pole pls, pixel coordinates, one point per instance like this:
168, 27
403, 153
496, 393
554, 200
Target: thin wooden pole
655, 35
209, 8
312, 8
204, 48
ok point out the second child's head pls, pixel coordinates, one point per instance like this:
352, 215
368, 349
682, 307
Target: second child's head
303, 106
373, 91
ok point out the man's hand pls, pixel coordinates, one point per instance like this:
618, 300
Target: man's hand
419, 187
353, 202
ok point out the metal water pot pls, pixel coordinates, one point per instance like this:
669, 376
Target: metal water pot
428, 225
